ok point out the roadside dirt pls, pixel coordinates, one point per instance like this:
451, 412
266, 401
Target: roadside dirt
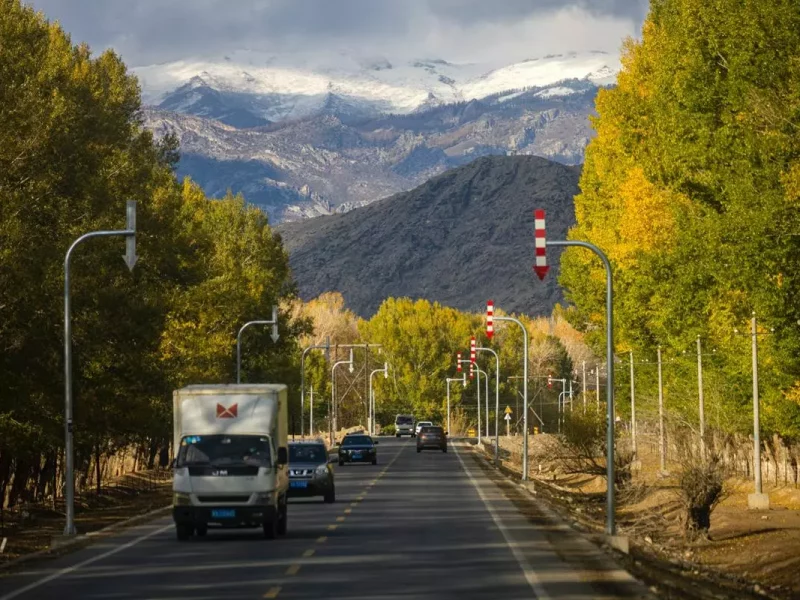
748, 554
33, 528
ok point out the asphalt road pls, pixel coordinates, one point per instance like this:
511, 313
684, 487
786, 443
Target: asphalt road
421, 526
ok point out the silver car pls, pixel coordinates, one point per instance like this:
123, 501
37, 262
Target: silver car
310, 471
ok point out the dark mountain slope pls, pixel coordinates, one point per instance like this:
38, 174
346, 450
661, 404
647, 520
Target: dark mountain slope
461, 238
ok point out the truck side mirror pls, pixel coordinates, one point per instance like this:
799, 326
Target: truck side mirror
283, 455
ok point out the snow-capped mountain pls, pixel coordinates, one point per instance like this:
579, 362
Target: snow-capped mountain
248, 89
307, 135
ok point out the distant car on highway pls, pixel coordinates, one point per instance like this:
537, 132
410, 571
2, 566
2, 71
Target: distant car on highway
310, 473
404, 425
432, 437
358, 448
421, 424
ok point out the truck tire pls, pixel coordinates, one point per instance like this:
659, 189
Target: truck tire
271, 529
397, 435
330, 497
419, 450
183, 532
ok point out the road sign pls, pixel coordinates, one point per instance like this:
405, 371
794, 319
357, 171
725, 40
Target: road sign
473, 354
508, 410
507, 417
471, 432
489, 319
540, 268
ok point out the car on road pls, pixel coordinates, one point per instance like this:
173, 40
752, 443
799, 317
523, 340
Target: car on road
404, 425
432, 437
358, 448
310, 472
421, 424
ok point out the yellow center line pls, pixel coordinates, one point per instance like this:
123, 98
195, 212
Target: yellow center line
332, 527
339, 519
347, 511
308, 553
354, 504
293, 570
272, 592
322, 539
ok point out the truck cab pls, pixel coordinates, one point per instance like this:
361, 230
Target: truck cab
231, 457
404, 425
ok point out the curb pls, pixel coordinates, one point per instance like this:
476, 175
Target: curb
83, 540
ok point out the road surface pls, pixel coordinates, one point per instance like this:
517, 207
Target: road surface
420, 526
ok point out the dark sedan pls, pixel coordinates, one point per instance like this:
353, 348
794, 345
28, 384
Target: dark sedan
432, 437
358, 448
310, 473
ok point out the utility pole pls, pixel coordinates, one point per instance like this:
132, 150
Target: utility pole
702, 409
597, 385
310, 416
662, 448
583, 389
327, 347
333, 411
633, 409
130, 259
757, 500
371, 417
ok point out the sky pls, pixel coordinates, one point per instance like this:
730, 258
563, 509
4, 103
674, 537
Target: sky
146, 32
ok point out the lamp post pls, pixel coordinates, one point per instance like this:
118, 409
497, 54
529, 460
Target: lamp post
130, 260
371, 417
610, 500
462, 379
524, 392
332, 411
327, 348
496, 403
473, 366
273, 322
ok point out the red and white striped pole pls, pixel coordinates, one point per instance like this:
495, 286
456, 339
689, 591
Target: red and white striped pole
472, 370
489, 319
458, 362
473, 353
540, 268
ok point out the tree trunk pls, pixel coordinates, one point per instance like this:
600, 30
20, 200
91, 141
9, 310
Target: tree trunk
97, 467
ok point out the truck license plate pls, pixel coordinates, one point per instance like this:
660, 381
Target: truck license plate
298, 484
223, 513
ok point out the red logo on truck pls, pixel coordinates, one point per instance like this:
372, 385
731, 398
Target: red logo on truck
230, 412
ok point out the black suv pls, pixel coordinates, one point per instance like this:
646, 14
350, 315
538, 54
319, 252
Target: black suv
310, 473
432, 437
356, 447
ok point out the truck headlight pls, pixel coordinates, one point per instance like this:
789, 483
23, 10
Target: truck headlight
181, 499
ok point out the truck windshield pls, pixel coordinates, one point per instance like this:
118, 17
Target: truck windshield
404, 420
224, 450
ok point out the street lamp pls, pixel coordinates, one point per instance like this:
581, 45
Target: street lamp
332, 411
275, 336
327, 348
524, 392
496, 404
130, 259
463, 380
473, 365
371, 417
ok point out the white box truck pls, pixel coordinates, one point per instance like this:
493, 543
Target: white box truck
231, 455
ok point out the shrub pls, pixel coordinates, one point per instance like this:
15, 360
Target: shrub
701, 488
388, 429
